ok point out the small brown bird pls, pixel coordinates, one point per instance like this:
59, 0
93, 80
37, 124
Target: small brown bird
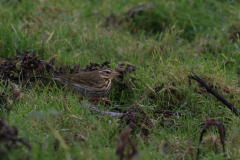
94, 84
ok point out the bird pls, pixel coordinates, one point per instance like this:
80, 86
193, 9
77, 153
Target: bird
94, 84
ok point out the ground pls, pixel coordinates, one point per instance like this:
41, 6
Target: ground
167, 41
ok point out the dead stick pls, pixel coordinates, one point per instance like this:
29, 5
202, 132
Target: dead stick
215, 93
112, 114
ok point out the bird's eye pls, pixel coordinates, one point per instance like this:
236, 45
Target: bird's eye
108, 72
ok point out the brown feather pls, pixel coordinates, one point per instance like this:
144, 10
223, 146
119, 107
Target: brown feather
92, 83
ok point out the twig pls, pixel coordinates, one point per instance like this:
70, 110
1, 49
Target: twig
215, 93
112, 114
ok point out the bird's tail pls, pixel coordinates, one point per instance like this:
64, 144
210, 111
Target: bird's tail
44, 77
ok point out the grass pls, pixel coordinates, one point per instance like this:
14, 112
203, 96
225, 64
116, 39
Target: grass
165, 44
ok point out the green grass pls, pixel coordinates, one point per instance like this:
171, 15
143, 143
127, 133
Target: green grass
165, 43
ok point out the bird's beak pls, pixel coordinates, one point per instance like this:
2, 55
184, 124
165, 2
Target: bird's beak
116, 74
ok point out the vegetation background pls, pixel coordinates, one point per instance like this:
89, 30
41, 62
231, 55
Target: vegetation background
165, 40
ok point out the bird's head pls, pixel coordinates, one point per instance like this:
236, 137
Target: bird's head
108, 73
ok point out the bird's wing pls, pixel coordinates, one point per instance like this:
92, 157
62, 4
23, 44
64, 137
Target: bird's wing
89, 80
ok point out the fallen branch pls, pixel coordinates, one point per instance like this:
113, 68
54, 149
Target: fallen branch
120, 115
215, 93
